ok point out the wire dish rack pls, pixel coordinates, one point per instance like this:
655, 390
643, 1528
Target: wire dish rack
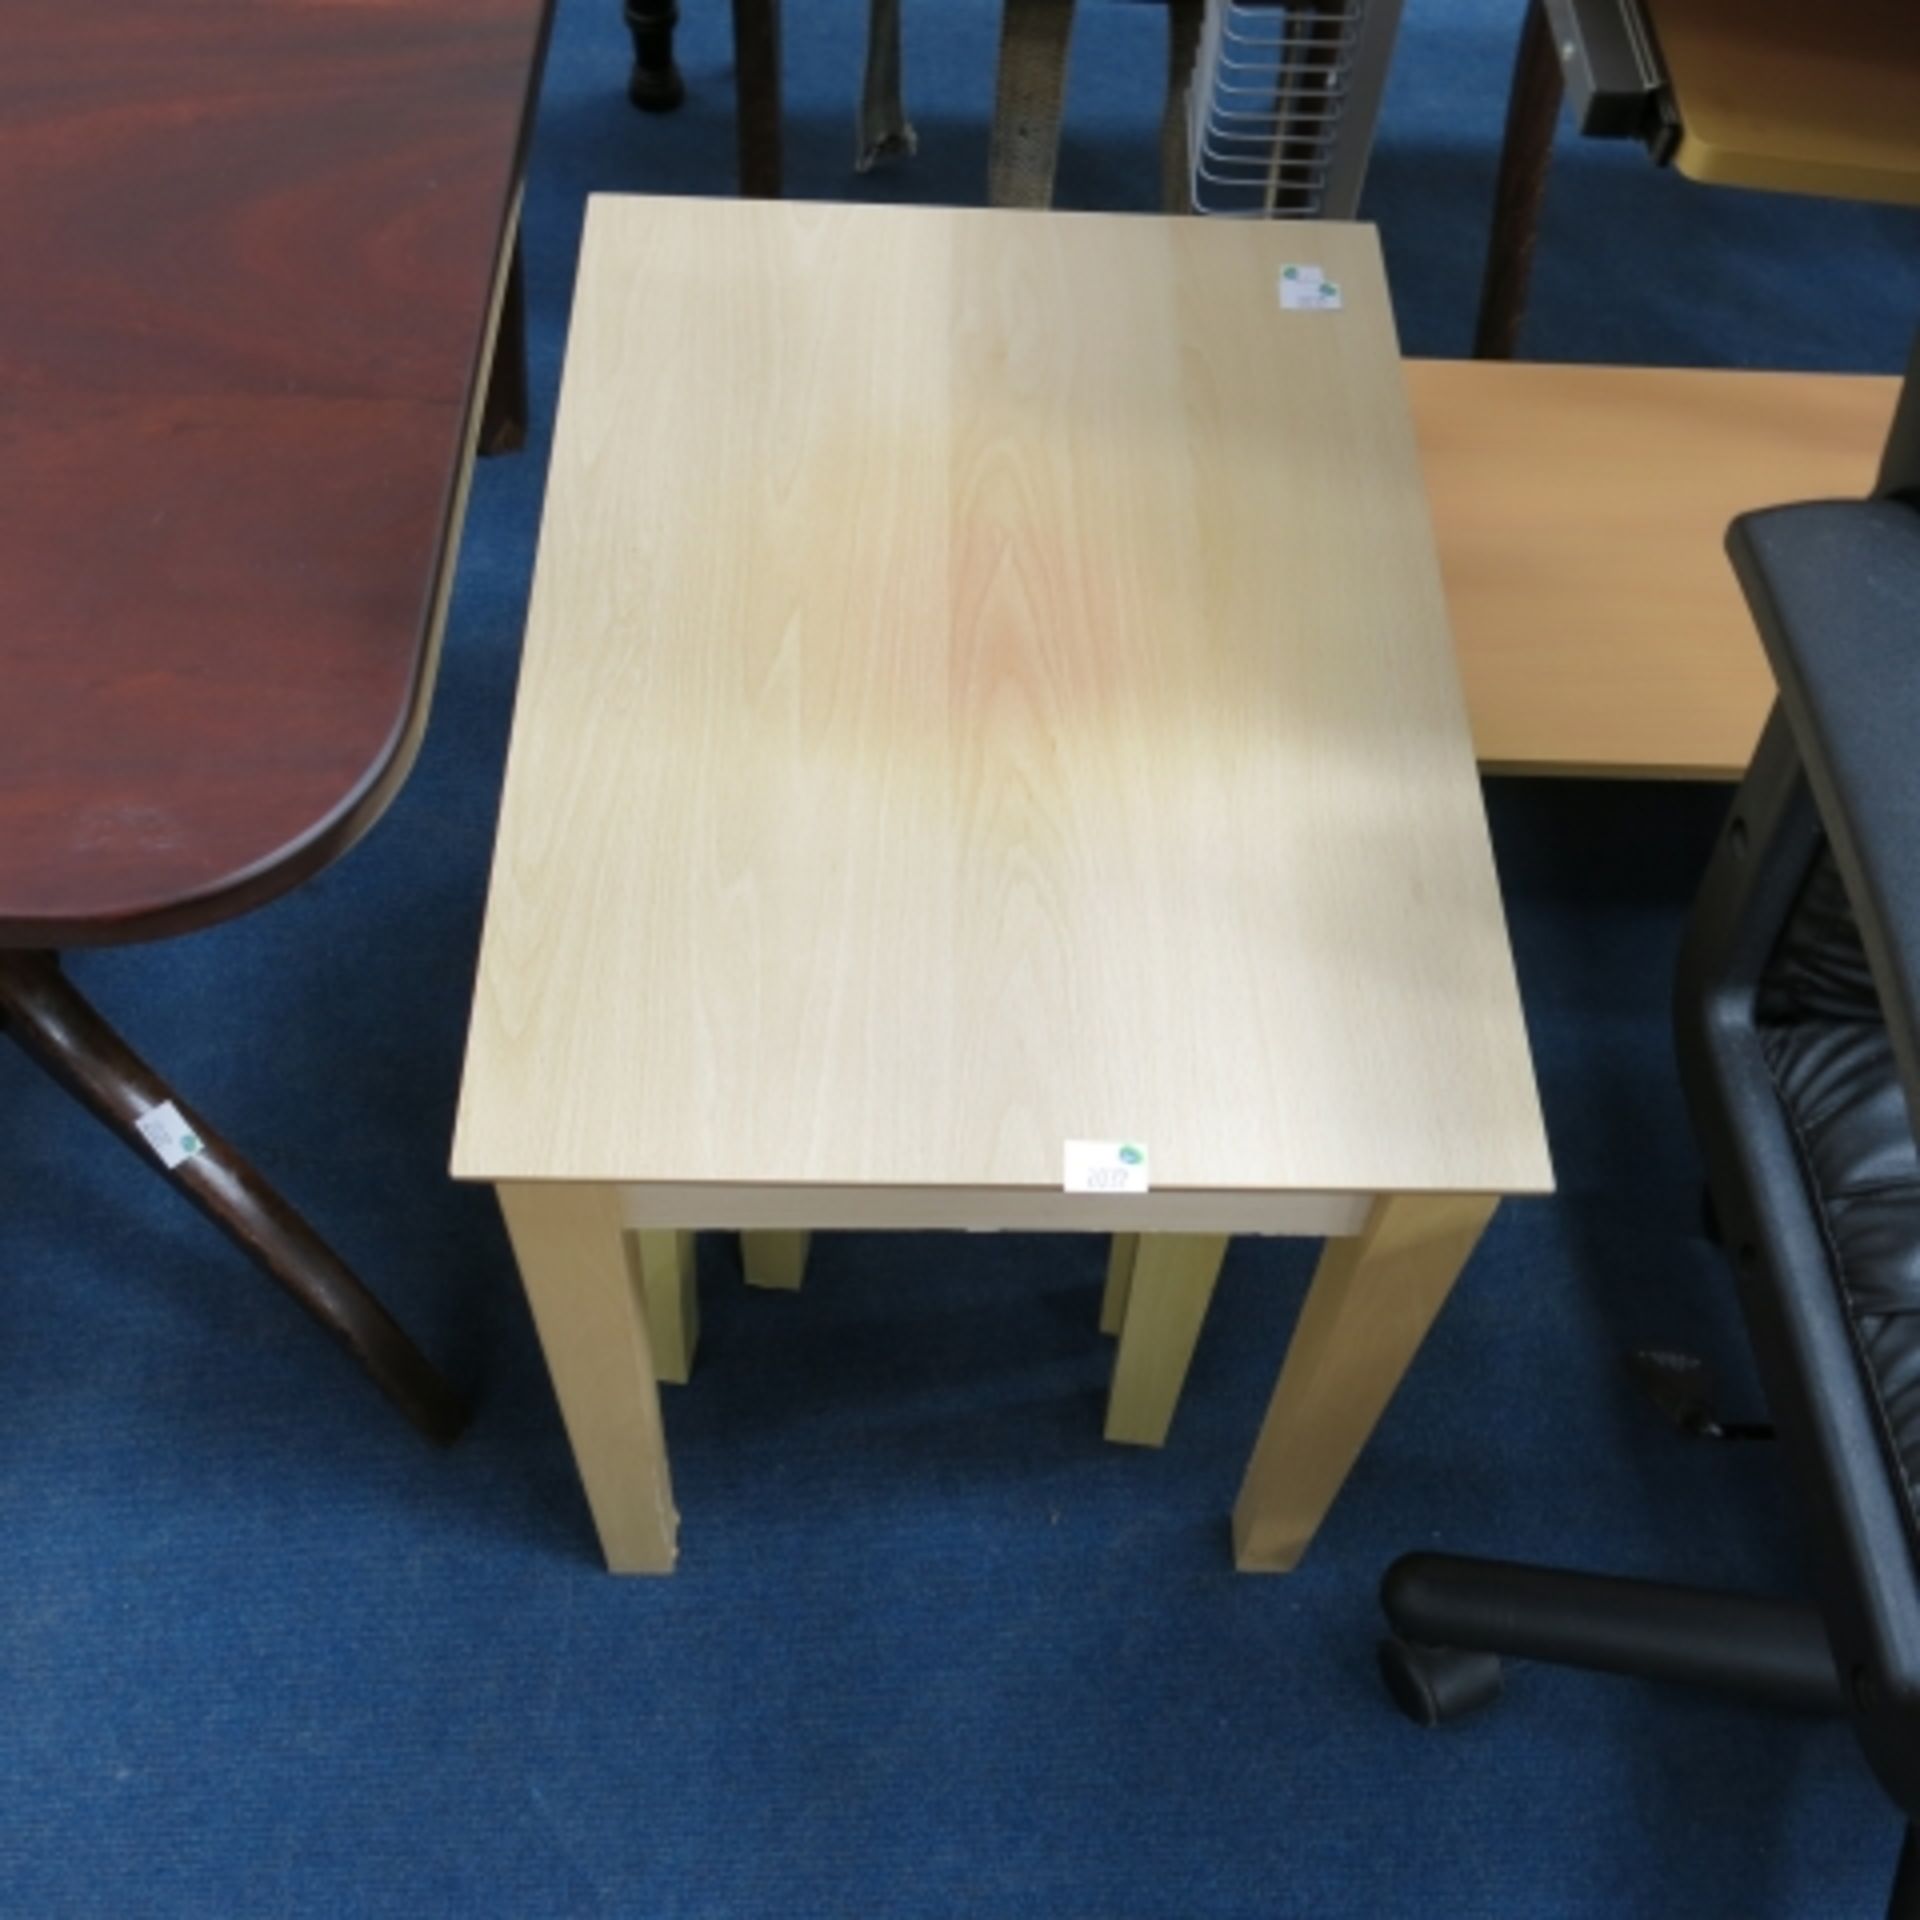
1282, 109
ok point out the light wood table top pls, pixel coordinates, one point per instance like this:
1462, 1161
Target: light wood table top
1582, 515
1797, 97
988, 684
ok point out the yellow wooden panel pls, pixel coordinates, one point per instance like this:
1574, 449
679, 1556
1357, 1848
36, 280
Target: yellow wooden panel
1372, 1300
774, 1259
592, 1321
1169, 1286
1582, 515
666, 1268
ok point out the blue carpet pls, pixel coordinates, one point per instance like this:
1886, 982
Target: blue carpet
934, 1648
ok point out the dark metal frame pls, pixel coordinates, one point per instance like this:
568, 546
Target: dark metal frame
1612, 70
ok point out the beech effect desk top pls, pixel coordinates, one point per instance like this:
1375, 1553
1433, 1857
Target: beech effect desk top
248, 256
1582, 516
987, 684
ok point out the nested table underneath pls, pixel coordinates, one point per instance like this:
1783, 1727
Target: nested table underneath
987, 686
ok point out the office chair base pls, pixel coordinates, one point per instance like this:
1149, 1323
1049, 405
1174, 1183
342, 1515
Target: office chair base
1766, 1650
1435, 1686
1905, 1901
1682, 1386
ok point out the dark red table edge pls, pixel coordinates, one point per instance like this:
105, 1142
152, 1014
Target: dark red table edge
496, 416
53, 1023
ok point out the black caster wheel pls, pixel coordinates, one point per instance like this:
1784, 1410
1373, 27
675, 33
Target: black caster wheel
1435, 1686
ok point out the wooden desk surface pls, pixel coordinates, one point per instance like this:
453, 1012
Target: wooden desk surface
247, 256
1800, 97
987, 683
1582, 516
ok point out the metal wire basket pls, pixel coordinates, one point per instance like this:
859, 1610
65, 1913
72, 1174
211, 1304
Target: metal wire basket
1284, 99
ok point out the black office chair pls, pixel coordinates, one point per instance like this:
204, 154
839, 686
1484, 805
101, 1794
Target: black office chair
1797, 1016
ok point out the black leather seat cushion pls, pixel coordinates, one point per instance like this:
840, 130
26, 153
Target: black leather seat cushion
1832, 1062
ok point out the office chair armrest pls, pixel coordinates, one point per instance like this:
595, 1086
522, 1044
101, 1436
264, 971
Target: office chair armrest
1835, 591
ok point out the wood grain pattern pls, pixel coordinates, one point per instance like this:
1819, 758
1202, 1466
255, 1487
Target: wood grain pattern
665, 1266
957, 1209
1169, 1286
593, 1325
247, 277
1003, 697
775, 1260
1372, 1300
1582, 513
1799, 98
1121, 1254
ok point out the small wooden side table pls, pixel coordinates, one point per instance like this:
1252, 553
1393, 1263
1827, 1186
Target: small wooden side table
987, 688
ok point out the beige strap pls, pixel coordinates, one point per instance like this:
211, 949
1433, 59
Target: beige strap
1034, 36
1026, 109
885, 132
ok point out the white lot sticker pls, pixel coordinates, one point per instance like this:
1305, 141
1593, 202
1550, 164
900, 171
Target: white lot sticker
1106, 1166
165, 1130
1305, 289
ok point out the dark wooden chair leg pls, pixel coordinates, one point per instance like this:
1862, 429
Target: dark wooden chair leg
756, 79
1526, 151
504, 417
1184, 21
655, 85
56, 1027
